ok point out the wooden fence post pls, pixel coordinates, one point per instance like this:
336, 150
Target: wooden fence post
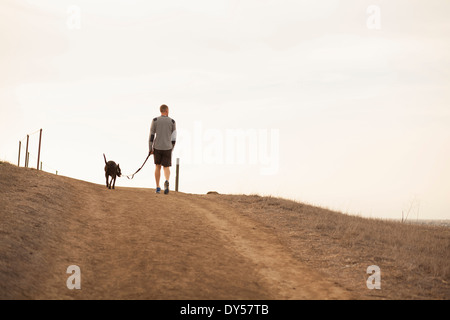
39, 150
18, 160
177, 177
26, 152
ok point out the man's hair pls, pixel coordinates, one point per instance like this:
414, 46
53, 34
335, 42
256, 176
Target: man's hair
163, 108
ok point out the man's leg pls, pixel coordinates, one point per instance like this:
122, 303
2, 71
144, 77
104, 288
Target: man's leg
157, 174
167, 176
167, 173
166, 162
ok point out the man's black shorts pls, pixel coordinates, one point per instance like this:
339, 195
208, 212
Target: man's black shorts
163, 157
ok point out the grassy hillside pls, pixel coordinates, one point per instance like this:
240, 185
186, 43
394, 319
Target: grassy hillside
131, 243
414, 259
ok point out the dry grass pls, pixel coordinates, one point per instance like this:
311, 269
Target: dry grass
414, 259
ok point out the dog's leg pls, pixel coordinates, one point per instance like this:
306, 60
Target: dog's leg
113, 181
107, 182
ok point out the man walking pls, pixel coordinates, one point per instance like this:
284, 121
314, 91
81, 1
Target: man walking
163, 136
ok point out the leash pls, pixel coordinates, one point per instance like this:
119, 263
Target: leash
132, 176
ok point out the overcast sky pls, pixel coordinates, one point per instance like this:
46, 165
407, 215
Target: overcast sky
342, 104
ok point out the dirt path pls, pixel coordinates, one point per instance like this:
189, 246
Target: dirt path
284, 276
135, 244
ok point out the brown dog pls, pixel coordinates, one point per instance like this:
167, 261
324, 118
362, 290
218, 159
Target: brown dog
111, 170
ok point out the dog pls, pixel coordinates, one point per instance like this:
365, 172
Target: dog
111, 170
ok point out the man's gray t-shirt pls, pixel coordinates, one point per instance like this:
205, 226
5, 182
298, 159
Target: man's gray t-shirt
163, 129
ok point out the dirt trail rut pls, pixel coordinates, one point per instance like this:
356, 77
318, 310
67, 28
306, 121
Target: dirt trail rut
282, 275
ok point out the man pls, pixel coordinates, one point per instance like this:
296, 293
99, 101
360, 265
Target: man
163, 135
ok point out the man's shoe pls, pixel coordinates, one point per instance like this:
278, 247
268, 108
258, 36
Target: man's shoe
158, 190
166, 187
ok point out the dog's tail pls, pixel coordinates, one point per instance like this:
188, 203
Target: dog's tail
104, 158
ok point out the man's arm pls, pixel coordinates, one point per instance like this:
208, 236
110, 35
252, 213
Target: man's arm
174, 134
152, 136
